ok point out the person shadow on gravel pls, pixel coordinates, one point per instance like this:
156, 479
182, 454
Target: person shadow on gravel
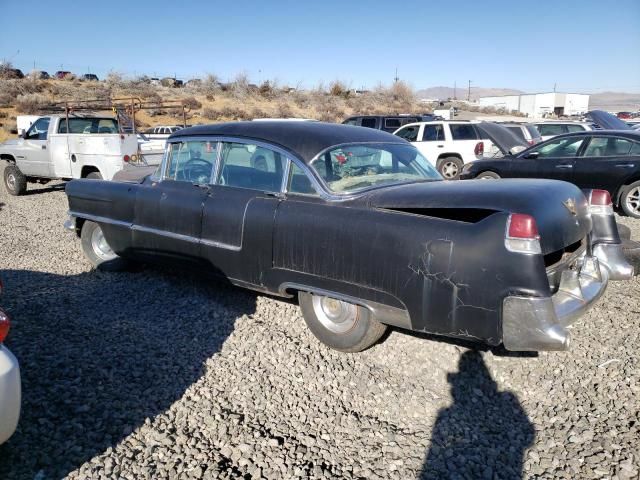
484, 434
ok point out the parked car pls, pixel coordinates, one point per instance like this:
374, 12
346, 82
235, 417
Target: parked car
603, 159
447, 145
52, 148
89, 77
625, 115
551, 129
40, 75
359, 226
387, 123
63, 75
162, 130
10, 388
526, 131
8, 72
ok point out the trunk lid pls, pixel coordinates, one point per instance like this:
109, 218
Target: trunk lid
559, 208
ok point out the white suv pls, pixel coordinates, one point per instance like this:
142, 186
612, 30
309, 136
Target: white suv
447, 145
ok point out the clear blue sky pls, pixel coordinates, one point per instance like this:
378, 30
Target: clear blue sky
580, 45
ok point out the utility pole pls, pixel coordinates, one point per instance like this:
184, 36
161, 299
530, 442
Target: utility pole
554, 87
396, 77
455, 90
469, 92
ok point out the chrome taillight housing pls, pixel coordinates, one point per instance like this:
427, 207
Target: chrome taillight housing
522, 234
600, 203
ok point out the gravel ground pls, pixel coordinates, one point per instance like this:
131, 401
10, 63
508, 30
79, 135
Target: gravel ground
162, 374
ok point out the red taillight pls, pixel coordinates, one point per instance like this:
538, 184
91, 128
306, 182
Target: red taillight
600, 197
522, 234
126, 158
5, 323
479, 150
600, 203
523, 226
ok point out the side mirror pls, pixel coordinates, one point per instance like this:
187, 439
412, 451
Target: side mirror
531, 155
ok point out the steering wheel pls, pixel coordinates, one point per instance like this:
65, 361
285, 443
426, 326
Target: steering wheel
197, 170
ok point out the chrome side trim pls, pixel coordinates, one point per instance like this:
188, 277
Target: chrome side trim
612, 257
155, 231
382, 313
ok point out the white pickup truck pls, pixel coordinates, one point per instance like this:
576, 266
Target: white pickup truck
60, 147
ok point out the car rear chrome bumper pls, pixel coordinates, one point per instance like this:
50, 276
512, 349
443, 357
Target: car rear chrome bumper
612, 257
540, 323
10, 393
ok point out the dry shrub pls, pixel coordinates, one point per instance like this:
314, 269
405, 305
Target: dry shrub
211, 113
31, 103
259, 113
338, 89
283, 110
239, 87
191, 103
331, 109
4, 114
235, 113
11, 89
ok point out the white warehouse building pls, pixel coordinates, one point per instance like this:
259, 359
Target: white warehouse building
539, 105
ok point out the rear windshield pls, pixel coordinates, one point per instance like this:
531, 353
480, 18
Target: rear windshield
533, 131
89, 125
517, 131
349, 168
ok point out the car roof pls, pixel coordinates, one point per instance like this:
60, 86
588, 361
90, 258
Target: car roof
634, 135
304, 139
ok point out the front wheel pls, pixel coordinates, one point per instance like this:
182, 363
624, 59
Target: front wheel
14, 180
97, 250
450, 168
338, 324
630, 200
488, 176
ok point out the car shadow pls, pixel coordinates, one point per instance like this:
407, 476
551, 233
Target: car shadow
42, 189
483, 434
101, 353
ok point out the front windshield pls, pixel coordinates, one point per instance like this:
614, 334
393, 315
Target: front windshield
353, 167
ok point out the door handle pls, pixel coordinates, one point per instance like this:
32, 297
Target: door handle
625, 165
44, 147
564, 165
440, 146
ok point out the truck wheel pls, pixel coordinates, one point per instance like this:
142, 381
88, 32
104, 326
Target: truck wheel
630, 200
98, 251
94, 176
450, 168
14, 180
488, 175
338, 324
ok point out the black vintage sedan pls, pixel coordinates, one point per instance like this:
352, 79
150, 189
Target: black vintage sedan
603, 159
359, 226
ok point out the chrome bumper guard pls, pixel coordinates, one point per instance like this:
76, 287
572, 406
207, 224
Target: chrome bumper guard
540, 323
611, 256
70, 224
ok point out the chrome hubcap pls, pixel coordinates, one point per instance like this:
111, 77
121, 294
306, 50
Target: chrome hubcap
486, 177
633, 200
11, 181
449, 170
336, 315
100, 246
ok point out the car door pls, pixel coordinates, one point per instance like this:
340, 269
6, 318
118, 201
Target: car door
168, 211
238, 213
431, 142
35, 155
553, 159
607, 162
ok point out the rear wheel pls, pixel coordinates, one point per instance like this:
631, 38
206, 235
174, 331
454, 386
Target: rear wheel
14, 180
338, 324
97, 250
630, 200
488, 176
450, 168
94, 176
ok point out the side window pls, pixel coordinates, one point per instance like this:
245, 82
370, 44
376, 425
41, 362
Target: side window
574, 128
251, 166
517, 131
433, 133
409, 133
463, 131
635, 149
191, 161
550, 129
368, 122
562, 147
608, 147
299, 182
350, 121
38, 130
392, 123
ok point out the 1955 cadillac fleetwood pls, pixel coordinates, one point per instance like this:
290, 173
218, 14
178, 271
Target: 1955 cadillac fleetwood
360, 227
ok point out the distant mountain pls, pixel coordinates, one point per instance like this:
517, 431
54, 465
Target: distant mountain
442, 93
615, 101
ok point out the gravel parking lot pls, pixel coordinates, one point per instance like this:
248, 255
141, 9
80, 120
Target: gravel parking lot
162, 374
